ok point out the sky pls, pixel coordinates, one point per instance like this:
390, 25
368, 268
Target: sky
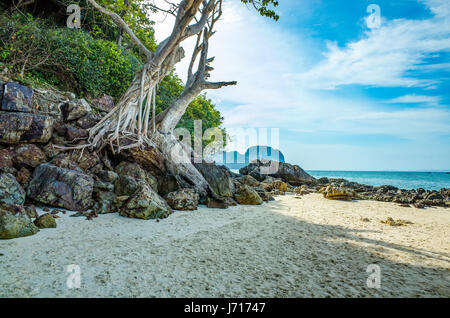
346, 91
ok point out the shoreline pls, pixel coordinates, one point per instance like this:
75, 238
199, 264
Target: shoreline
290, 247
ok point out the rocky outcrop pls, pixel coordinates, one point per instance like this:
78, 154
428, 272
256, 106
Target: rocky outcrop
104, 103
280, 185
292, 174
337, 193
246, 195
16, 98
219, 177
45, 221
25, 128
10, 190
15, 223
131, 170
28, 155
75, 109
61, 187
184, 199
144, 203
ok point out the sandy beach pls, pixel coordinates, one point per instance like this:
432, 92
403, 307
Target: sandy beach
291, 247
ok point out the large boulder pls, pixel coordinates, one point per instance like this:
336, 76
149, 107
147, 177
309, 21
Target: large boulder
337, 193
246, 195
25, 128
15, 224
10, 190
61, 187
75, 109
292, 174
28, 155
219, 177
17, 98
145, 204
184, 199
127, 170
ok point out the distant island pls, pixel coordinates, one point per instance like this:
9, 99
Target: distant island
236, 160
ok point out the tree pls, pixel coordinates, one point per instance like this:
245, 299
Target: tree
128, 125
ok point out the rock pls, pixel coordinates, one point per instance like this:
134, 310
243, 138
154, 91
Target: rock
246, 195
167, 184
150, 159
266, 186
17, 98
145, 203
265, 196
217, 204
29, 210
248, 180
134, 170
45, 221
24, 127
15, 224
6, 158
89, 120
75, 109
280, 186
184, 199
104, 103
219, 177
107, 176
85, 160
63, 160
61, 187
302, 190
335, 193
28, 155
23, 176
285, 171
10, 190
105, 202
73, 133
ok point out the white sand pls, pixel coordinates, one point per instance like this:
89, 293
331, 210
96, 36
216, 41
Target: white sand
287, 248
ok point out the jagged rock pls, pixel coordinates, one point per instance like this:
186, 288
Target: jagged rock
10, 190
266, 186
334, 193
150, 159
107, 176
23, 176
184, 199
167, 184
285, 171
144, 203
246, 195
265, 196
217, 204
15, 224
61, 187
280, 185
45, 221
6, 158
75, 109
219, 177
248, 180
104, 103
28, 210
134, 170
73, 133
105, 202
17, 98
88, 121
25, 127
28, 155
302, 190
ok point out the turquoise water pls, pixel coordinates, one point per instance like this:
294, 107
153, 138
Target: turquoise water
399, 179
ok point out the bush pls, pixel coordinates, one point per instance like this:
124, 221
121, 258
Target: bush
67, 58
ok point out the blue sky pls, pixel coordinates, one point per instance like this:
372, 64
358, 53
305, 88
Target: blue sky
343, 96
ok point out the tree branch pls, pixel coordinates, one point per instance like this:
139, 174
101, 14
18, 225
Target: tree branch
121, 24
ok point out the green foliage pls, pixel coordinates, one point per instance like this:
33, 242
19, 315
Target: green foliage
67, 58
262, 6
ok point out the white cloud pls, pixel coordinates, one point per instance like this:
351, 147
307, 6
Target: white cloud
262, 56
384, 57
416, 99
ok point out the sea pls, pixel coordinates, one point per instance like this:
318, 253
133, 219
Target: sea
400, 179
